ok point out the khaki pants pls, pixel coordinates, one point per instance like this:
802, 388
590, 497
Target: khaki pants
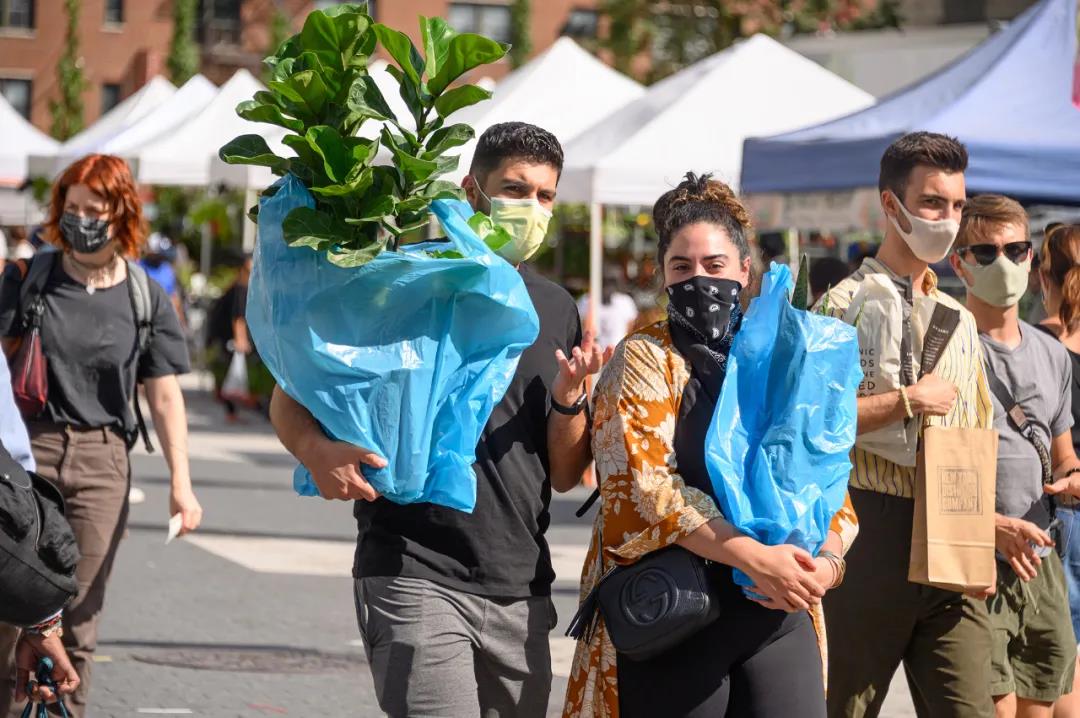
878, 620
91, 469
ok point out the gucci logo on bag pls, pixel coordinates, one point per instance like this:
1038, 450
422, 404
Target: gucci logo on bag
646, 598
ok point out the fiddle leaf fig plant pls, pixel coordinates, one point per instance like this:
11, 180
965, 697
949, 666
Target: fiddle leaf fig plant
322, 94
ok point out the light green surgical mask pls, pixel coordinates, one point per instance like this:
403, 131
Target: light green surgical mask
1001, 283
526, 220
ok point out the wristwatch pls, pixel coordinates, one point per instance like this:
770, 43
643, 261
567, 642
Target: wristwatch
574, 409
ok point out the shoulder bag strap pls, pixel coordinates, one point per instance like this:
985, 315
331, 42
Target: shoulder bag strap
139, 295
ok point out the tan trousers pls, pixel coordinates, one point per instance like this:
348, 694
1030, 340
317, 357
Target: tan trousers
91, 469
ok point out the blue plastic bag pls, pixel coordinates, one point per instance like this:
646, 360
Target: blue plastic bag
405, 356
778, 458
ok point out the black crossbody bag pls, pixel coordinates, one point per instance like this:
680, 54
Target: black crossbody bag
1019, 419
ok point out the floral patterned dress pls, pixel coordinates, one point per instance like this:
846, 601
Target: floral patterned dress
645, 504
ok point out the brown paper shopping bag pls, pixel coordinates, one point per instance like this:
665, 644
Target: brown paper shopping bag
952, 537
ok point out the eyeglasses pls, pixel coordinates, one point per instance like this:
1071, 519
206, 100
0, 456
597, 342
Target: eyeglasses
987, 254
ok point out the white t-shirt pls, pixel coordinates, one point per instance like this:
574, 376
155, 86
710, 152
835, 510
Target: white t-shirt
613, 319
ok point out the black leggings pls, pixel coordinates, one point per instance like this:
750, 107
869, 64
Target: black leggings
750, 662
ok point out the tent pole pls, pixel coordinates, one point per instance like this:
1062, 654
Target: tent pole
596, 260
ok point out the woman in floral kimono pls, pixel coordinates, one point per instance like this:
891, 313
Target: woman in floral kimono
653, 408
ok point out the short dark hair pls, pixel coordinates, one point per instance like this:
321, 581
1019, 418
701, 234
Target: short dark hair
919, 148
515, 140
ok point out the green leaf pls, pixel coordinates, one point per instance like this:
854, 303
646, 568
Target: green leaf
413, 204
366, 100
453, 100
252, 150
441, 189
352, 258
466, 51
346, 9
307, 227
372, 209
436, 34
257, 112
409, 92
312, 90
402, 50
413, 169
331, 147
444, 164
322, 36
448, 138
493, 235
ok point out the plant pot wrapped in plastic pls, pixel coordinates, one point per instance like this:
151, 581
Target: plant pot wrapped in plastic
778, 458
405, 356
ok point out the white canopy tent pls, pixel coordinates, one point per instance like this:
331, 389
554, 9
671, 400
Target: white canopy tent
121, 138
112, 124
21, 140
696, 120
565, 90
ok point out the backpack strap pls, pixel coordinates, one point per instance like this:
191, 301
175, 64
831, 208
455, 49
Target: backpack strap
34, 273
142, 311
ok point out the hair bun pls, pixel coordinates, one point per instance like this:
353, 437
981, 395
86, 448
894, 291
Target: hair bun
699, 189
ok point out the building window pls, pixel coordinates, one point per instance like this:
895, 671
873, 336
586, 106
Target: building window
110, 96
219, 22
17, 13
490, 20
17, 93
114, 12
582, 23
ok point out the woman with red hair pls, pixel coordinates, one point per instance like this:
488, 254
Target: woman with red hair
81, 298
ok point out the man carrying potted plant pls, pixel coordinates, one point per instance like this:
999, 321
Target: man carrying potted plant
454, 608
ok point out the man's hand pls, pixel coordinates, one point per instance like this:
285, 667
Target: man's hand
182, 501
28, 652
583, 362
1014, 539
335, 467
786, 576
1067, 485
932, 396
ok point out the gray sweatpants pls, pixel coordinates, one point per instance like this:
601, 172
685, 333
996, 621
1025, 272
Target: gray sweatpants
437, 652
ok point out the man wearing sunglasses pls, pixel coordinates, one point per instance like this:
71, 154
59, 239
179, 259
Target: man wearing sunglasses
1034, 648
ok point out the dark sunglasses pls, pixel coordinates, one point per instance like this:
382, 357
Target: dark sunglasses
987, 254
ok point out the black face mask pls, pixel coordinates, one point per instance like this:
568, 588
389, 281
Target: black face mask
86, 235
704, 304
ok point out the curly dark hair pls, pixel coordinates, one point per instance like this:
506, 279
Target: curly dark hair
700, 198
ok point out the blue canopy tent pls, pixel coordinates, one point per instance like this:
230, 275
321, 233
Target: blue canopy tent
1009, 100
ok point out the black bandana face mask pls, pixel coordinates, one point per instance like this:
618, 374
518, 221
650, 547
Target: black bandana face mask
704, 305
86, 235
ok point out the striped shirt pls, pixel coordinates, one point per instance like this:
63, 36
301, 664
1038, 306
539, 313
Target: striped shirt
961, 364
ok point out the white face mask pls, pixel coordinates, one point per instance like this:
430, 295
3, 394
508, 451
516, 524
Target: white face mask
1002, 283
525, 219
928, 240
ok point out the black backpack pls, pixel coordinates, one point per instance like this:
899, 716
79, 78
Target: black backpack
35, 274
38, 553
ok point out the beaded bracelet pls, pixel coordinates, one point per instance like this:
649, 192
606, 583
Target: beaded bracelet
49, 626
907, 403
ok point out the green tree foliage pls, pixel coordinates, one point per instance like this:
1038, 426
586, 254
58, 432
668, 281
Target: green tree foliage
183, 60
677, 33
67, 111
520, 38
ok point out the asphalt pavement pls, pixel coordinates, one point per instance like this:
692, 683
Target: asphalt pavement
253, 615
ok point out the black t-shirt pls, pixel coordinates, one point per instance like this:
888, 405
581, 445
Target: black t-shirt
498, 549
89, 342
232, 305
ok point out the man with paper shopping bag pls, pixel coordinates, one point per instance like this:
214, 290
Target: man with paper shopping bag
1030, 376
923, 366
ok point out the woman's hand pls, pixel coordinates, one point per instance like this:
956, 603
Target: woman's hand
786, 576
825, 572
182, 501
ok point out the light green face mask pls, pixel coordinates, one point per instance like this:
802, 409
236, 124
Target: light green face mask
1002, 283
526, 220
